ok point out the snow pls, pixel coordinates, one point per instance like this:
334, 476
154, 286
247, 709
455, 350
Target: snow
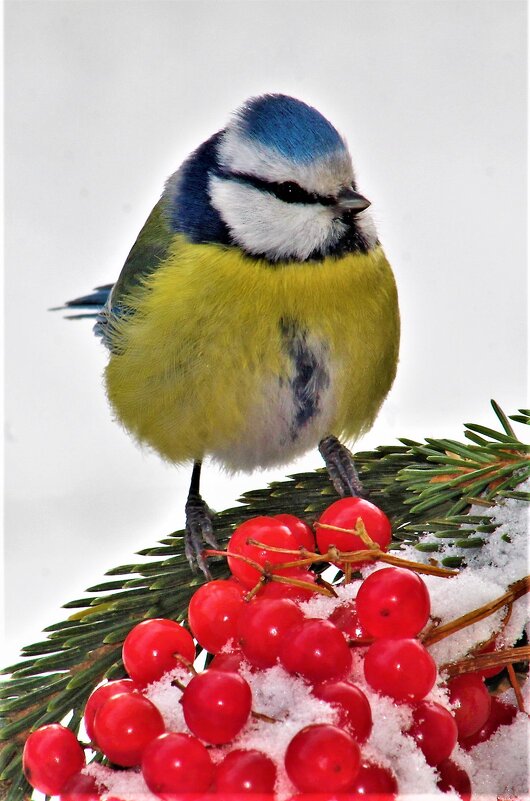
166, 697
502, 761
323, 606
451, 598
126, 785
498, 766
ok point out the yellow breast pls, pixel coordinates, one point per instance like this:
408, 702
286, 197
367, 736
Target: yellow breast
202, 363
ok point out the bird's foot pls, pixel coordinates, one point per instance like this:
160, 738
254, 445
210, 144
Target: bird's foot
341, 467
199, 529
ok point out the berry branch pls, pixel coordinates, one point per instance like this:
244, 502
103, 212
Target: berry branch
424, 488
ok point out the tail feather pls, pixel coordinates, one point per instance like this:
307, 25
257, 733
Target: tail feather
94, 302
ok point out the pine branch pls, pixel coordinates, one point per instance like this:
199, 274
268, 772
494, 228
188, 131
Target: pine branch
424, 488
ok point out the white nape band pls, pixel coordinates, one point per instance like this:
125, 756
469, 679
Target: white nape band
238, 153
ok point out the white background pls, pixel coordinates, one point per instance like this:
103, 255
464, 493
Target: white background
105, 98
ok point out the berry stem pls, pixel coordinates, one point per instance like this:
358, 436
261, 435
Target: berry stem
257, 587
323, 589
262, 716
516, 688
251, 562
418, 567
359, 531
276, 549
187, 664
470, 664
516, 590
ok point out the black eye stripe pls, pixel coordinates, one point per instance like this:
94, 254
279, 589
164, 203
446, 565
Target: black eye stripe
288, 191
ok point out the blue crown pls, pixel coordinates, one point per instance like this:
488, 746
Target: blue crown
291, 128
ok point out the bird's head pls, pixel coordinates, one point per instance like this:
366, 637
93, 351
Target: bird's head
278, 182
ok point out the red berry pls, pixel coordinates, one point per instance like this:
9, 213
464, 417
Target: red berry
345, 514
300, 529
393, 602
402, 669
354, 710
262, 628
80, 788
473, 703
152, 648
435, 731
124, 725
246, 772
276, 589
346, 619
216, 705
501, 715
322, 757
102, 694
213, 613
229, 661
374, 782
453, 777
51, 756
316, 650
177, 763
271, 533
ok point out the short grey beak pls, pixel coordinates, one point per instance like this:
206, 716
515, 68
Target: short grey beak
350, 200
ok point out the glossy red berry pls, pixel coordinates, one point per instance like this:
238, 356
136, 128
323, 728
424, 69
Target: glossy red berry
316, 650
216, 705
124, 725
300, 529
177, 763
80, 788
213, 613
453, 777
344, 514
322, 757
345, 618
501, 714
472, 703
246, 772
393, 602
374, 783
355, 715
262, 628
402, 669
264, 530
435, 731
51, 756
153, 647
102, 694
276, 589
229, 661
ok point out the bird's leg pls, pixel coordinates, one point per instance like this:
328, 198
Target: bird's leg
340, 466
199, 528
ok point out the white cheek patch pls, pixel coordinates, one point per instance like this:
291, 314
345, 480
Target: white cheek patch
237, 153
365, 224
264, 225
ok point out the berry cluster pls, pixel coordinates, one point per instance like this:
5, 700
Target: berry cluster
251, 623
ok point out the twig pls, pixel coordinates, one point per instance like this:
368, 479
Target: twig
516, 590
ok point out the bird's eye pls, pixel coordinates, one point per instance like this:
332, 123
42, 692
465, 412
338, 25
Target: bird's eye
290, 192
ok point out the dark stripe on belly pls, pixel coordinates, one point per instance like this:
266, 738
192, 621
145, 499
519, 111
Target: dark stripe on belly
309, 378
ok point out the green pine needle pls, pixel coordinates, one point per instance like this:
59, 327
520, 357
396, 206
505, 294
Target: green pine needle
426, 489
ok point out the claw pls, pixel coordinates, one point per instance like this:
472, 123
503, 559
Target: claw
199, 529
341, 467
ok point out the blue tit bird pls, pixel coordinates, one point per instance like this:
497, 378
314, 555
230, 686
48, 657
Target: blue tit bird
256, 316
